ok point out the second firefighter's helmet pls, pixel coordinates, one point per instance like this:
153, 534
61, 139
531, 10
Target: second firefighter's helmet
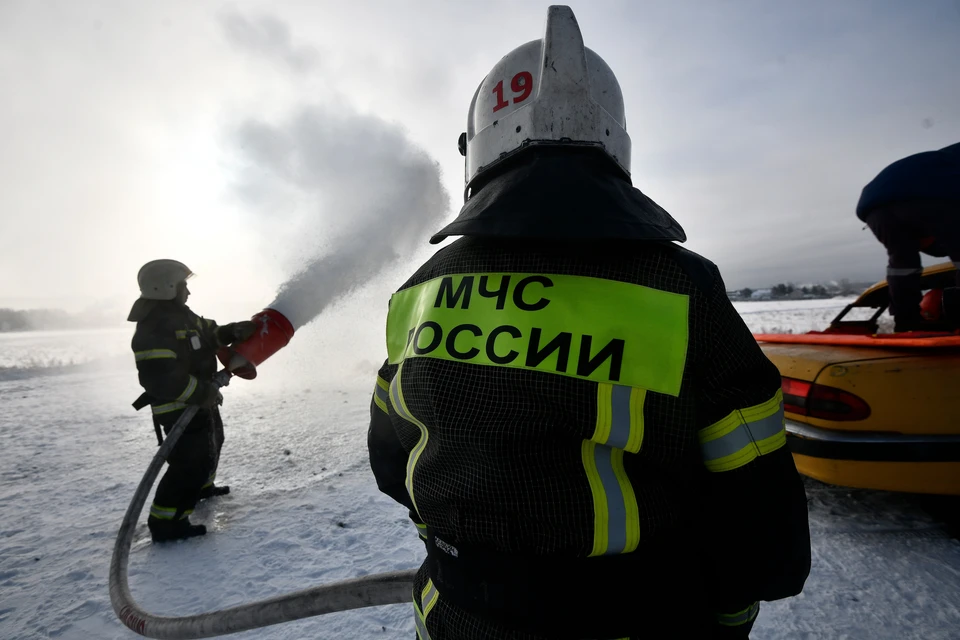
552, 91
158, 279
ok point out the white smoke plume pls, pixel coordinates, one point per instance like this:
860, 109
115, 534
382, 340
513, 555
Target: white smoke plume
364, 194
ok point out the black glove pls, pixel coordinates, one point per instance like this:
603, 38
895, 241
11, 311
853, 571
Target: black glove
207, 397
236, 332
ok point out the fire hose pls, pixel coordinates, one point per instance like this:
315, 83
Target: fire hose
369, 591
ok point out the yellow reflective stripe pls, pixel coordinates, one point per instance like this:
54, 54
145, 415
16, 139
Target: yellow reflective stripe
582, 327
169, 407
421, 530
421, 622
155, 354
635, 441
740, 617
744, 435
181, 334
604, 412
428, 598
600, 516
616, 516
188, 391
162, 513
400, 406
381, 394
620, 416
631, 515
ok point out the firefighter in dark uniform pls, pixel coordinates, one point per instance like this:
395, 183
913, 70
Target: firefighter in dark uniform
913, 206
586, 435
175, 351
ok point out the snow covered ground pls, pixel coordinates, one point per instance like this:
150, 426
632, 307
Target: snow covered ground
305, 509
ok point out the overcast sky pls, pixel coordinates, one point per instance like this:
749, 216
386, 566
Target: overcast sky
756, 124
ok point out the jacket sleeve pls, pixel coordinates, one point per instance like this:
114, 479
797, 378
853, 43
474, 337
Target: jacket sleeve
388, 457
164, 370
755, 533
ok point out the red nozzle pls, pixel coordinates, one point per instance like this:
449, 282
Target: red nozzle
273, 334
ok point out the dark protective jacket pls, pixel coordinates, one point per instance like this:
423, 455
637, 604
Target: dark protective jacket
926, 176
913, 206
175, 351
590, 441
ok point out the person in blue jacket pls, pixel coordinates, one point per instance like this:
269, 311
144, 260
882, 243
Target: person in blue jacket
913, 206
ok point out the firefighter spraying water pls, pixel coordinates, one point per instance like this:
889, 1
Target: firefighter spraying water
254, 342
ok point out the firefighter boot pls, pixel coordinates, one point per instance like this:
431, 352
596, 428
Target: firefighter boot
167, 530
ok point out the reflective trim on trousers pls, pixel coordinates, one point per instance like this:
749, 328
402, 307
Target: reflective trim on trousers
167, 513
740, 617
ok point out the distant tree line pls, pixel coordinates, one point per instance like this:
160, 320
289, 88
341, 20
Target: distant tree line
35, 320
790, 291
787, 290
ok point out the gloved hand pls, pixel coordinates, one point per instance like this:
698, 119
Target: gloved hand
210, 398
236, 331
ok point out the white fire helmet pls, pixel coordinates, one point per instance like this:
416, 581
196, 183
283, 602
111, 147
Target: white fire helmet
552, 91
158, 279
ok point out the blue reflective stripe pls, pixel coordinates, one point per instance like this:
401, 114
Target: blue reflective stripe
743, 436
620, 417
616, 509
421, 622
422, 633
381, 394
429, 598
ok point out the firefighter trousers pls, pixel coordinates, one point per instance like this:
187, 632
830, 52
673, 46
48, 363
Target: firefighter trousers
191, 465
